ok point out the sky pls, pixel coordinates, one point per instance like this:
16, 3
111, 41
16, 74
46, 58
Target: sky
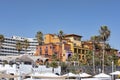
82, 17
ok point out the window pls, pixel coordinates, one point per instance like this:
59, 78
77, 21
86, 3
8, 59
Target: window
74, 44
50, 47
40, 48
75, 50
78, 50
40, 52
74, 38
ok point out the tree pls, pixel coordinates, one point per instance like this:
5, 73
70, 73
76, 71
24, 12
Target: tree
1, 40
39, 37
75, 58
53, 64
19, 46
61, 37
63, 67
54, 57
104, 36
26, 45
89, 56
94, 39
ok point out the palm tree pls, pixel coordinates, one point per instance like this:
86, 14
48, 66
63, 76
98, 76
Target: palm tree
1, 40
19, 46
61, 37
63, 67
104, 35
54, 57
75, 58
39, 37
89, 56
26, 45
94, 40
53, 64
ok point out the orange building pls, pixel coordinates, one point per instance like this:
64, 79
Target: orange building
47, 50
70, 45
51, 38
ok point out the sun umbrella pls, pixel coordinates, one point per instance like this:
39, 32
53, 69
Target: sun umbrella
84, 75
4, 75
115, 73
70, 75
102, 75
45, 75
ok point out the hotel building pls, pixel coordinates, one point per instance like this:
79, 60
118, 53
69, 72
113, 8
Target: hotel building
9, 46
70, 45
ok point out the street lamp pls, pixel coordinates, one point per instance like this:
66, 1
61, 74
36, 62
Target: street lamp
112, 70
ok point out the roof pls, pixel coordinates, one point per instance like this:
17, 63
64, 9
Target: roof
50, 34
70, 35
24, 58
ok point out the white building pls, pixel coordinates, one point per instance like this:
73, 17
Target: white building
9, 46
23, 70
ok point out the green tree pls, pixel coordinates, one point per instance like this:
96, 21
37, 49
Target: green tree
54, 57
1, 41
53, 64
94, 39
19, 46
89, 56
61, 37
63, 67
26, 45
75, 58
104, 36
39, 37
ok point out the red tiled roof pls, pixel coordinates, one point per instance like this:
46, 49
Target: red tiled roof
69, 35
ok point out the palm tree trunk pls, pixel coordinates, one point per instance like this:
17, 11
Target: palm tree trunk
103, 57
93, 58
52, 70
26, 50
0, 47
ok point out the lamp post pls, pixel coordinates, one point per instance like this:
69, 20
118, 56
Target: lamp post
93, 58
103, 56
112, 70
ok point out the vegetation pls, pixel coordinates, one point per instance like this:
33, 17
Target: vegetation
54, 63
95, 40
1, 40
19, 46
63, 67
26, 44
104, 36
39, 37
61, 37
89, 56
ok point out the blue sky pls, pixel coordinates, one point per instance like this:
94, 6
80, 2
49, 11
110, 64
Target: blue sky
83, 17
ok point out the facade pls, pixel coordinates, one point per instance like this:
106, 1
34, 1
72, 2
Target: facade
98, 47
70, 45
9, 46
47, 50
51, 38
77, 46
